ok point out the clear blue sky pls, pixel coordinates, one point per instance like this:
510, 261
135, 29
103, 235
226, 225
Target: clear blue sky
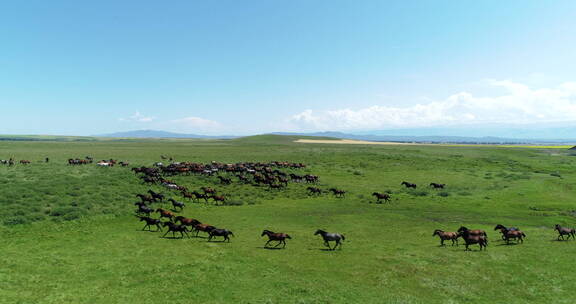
240, 67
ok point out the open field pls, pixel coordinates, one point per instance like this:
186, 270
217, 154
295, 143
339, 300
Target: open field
69, 234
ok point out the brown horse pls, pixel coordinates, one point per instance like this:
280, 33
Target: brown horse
204, 228
165, 213
208, 190
145, 198
337, 192
479, 232
314, 190
453, 236
382, 196
151, 222
408, 185
188, 222
279, 237
437, 186
562, 231
471, 239
514, 234
219, 198
220, 232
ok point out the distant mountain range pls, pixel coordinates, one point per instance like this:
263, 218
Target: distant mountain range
399, 136
161, 134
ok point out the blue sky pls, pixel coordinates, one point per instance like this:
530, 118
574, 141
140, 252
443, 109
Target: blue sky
242, 67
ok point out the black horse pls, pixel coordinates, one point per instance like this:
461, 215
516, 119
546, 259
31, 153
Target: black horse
177, 204
382, 196
172, 227
220, 232
408, 185
151, 222
437, 186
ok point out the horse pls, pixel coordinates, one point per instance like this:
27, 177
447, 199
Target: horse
189, 222
471, 239
144, 209
165, 213
145, 198
156, 196
25, 162
331, 237
514, 234
503, 229
208, 190
382, 196
314, 190
177, 204
453, 236
279, 237
149, 222
475, 232
218, 198
203, 227
175, 228
437, 186
220, 232
408, 185
337, 192
225, 180
565, 231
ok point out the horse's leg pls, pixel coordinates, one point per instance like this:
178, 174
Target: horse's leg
144, 227
266, 245
166, 233
441, 242
284, 241
159, 227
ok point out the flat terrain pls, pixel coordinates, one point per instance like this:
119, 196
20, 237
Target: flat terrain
69, 234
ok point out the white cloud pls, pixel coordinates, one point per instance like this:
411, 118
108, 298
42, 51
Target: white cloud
197, 123
519, 104
138, 117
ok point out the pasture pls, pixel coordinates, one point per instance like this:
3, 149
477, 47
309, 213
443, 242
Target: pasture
69, 234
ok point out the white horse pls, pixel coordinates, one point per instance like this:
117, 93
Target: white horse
104, 164
331, 237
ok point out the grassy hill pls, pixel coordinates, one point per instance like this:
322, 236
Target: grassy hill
69, 235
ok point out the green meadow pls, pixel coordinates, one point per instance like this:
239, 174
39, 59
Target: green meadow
69, 234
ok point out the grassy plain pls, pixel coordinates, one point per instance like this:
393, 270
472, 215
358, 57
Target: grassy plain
69, 236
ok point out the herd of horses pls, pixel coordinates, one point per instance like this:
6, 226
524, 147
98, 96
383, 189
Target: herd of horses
259, 174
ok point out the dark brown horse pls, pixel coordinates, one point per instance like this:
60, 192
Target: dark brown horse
471, 239
382, 196
177, 204
479, 232
437, 186
562, 231
408, 185
453, 236
514, 235
338, 192
503, 230
204, 228
220, 232
278, 237
165, 213
189, 222
145, 198
172, 227
218, 198
151, 222
314, 191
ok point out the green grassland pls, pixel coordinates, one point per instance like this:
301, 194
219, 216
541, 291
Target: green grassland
69, 234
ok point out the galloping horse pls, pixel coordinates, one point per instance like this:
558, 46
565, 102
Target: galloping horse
331, 237
437, 186
565, 231
175, 228
279, 237
314, 191
203, 227
408, 185
514, 234
220, 232
471, 239
149, 222
177, 204
165, 213
382, 196
453, 236
479, 232
189, 222
337, 192
145, 198
503, 229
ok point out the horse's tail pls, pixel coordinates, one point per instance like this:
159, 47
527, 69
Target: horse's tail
343, 238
